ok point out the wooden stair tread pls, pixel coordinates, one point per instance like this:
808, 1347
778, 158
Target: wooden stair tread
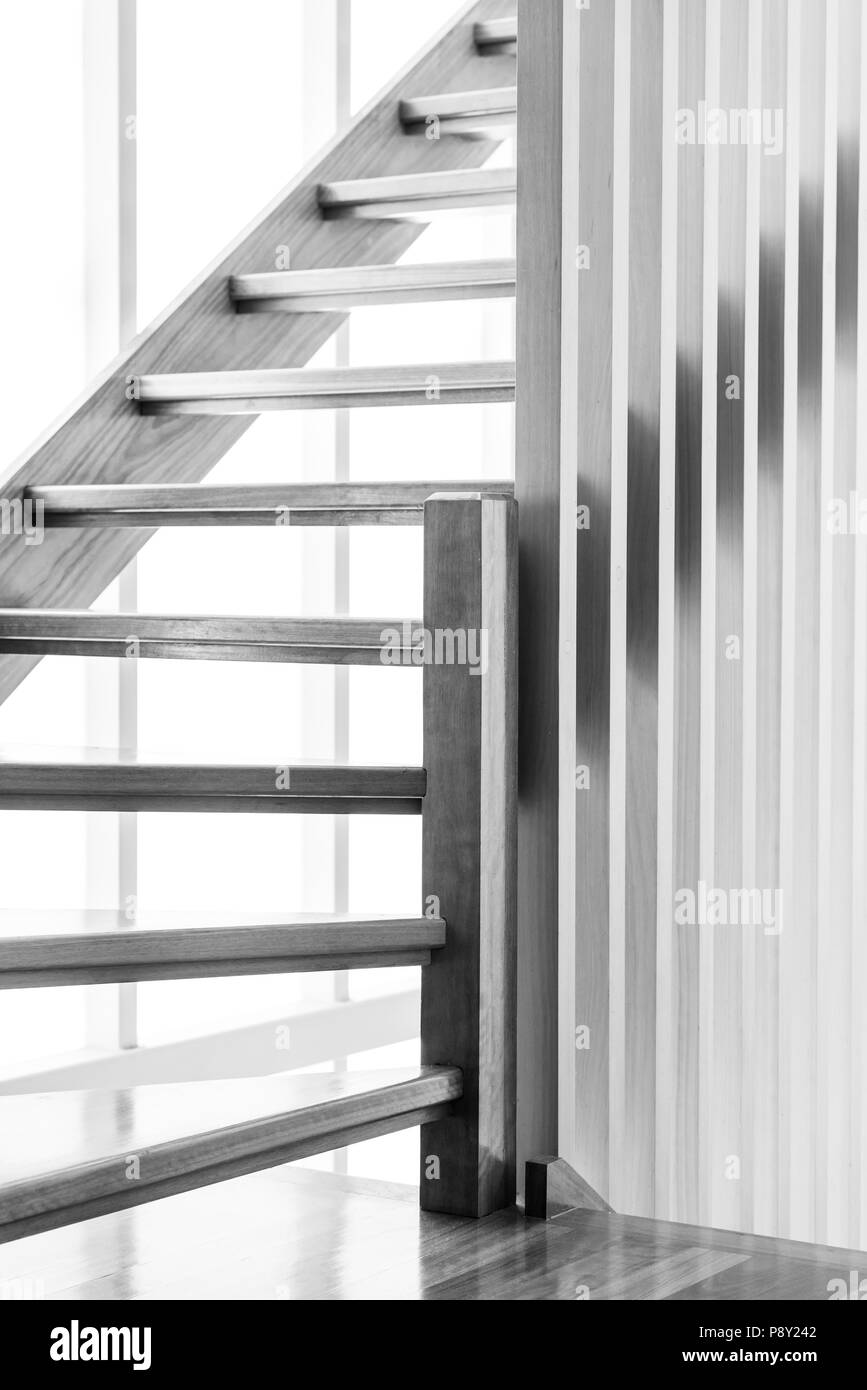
241, 504
67, 1155
110, 779
493, 35
401, 195
252, 392
73, 1128
79, 764
50, 947
28, 924
462, 112
323, 641
340, 287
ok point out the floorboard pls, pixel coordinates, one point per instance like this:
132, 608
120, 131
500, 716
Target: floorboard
297, 1234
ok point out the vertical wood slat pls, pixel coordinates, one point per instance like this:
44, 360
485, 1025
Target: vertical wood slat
830, 931
709, 638
642, 595
469, 847
750, 940
731, 387
592, 657
570, 424
762, 1094
542, 140
666, 1158
687, 618
619, 964
786, 1080
839, 921
858, 1041
800, 933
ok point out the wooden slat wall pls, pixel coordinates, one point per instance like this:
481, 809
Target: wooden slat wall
845, 919
762, 1096
858, 1040
721, 632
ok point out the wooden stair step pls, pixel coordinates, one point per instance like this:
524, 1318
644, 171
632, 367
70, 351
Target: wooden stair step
337, 388
496, 35
242, 504
40, 948
298, 641
404, 195
70, 1156
349, 287
462, 113
88, 779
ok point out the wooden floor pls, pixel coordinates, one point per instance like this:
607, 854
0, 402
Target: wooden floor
297, 1234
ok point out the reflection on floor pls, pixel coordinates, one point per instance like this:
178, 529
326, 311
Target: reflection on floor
298, 1234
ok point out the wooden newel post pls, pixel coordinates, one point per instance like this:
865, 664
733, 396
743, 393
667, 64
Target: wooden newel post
469, 855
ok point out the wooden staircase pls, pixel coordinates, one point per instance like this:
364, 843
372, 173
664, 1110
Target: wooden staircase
128, 458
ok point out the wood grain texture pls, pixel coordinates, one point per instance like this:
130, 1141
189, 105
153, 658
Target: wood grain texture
541, 264
94, 779
636, 1191
743, 645
297, 1235
687, 610
102, 440
800, 796
407, 195
39, 949
185, 1136
588, 1147
468, 851
238, 504
224, 804
317, 291
840, 713
727, 1132
762, 1107
713, 1238
238, 967
665, 1157
134, 636
859, 734
462, 113
790, 470
152, 648
338, 388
